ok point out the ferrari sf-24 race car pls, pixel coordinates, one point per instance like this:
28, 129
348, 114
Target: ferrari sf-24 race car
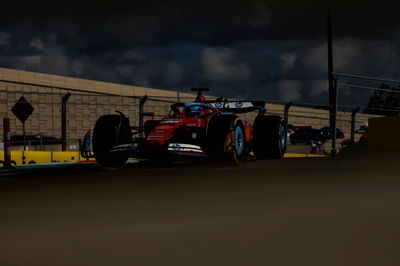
203, 129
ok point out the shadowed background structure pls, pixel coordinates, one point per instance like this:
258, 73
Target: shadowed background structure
269, 49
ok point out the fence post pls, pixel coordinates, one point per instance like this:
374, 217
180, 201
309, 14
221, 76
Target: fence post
141, 109
7, 144
64, 121
333, 118
333, 92
353, 122
286, 118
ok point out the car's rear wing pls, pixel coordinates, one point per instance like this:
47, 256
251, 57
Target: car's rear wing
238, 106
224, 105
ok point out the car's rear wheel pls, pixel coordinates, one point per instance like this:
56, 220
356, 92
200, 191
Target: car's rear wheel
109, 131
269, 137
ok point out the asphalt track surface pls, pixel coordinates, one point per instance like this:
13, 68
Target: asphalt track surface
319, 211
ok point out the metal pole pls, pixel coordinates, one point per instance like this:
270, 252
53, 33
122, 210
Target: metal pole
81, 152
332, 86
330, 60
286, 118
334, 119
141, 108
64, 121
24, 135
353, 123
7, 144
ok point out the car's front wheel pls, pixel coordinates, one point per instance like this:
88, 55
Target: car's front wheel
226, 138
110, 131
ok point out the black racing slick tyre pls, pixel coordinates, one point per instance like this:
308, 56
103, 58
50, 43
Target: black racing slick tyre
269, 137
217, 131
239, 147
109, 131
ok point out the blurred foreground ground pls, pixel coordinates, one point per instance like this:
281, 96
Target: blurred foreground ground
320, 211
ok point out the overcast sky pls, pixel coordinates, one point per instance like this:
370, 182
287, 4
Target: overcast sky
274, 50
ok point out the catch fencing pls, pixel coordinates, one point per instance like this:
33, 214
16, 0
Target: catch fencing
44, 128
362, 97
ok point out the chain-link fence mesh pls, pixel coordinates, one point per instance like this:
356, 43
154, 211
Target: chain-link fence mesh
43, 127
374, 96
84, 109
361, 98
304, 125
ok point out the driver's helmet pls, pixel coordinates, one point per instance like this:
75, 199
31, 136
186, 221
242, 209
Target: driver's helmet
195, 111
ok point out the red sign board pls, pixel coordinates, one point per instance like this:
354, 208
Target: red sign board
22, 109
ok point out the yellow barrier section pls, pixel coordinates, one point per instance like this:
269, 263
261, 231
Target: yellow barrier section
33, 157
16, 156
65, 156
73, 156
294, 155
301, 155
315, 156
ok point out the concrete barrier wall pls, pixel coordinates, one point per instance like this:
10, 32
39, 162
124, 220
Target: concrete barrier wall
383, 136
70, 83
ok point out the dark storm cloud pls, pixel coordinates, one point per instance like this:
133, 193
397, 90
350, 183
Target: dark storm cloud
270, 49
114, 24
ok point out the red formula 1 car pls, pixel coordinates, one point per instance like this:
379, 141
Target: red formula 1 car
205, 129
